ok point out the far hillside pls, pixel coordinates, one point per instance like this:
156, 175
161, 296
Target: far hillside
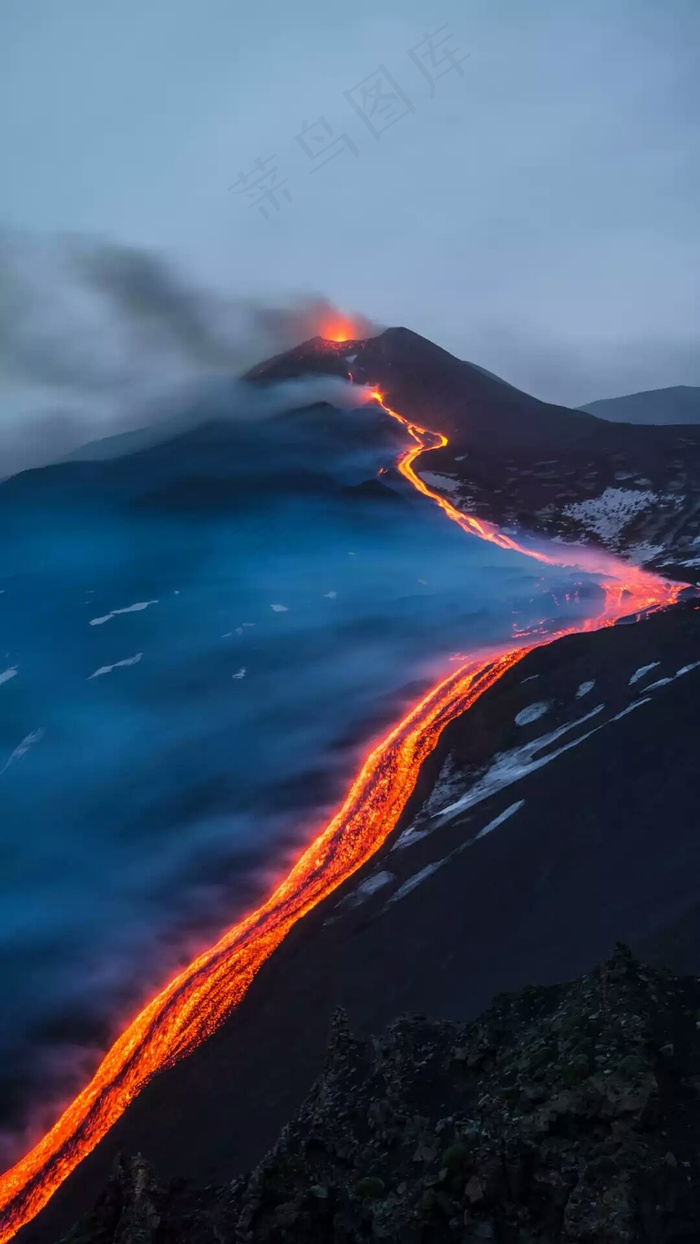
680, 404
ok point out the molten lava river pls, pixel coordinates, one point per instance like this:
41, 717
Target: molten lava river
192, 1005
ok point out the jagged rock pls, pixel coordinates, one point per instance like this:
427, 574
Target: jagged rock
578, 1122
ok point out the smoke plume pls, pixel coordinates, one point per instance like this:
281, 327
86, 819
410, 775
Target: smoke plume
98, 338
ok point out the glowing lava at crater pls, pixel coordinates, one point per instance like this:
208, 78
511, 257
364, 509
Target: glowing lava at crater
341, 329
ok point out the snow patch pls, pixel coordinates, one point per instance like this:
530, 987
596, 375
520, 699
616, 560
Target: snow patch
631, 707
329, 595
367, 888
494, 824
660, 682
107, 669
140, 604
446, 483
8, 674
415, 880
532, 713
643, 669
445, 788
241, 673
509, 767
645, 552
585, 688
279, 608
428, 871
22, 748
609, 514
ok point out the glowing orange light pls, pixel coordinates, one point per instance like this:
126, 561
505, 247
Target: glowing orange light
339, 329
193, 1005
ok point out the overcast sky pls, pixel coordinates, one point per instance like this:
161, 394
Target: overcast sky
534, 210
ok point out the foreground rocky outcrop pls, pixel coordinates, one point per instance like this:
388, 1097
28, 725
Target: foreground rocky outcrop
567, 1113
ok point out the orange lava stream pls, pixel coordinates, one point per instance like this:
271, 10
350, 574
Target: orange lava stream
628, 589
193, 1005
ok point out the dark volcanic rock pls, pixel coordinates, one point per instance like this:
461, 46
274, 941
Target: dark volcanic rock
525, 463
602, 847
568, 1113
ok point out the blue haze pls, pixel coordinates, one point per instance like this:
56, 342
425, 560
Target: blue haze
144, 808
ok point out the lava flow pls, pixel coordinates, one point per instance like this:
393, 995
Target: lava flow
192, 1005
628, 589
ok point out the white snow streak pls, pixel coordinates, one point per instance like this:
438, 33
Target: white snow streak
415, 880
369, 887
22, 748
107, 669
585, 688
514, 807
509, 767
643, 669
664, 682
660, 682
140, 604
532, 713
8, 674
631, 707
279, 608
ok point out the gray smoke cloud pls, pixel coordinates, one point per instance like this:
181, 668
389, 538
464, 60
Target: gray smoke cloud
98, 338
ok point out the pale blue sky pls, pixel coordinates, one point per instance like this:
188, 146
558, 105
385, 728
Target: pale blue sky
539, 215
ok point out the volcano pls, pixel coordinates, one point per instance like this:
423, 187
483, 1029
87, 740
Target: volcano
529, 836
525, 464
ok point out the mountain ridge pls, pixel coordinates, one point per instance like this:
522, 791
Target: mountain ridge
676, 405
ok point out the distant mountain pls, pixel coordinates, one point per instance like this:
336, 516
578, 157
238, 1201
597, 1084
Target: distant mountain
679, 404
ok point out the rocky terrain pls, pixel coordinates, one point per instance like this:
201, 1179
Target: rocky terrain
525, 464
555, 818
569, 1113
575, 782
